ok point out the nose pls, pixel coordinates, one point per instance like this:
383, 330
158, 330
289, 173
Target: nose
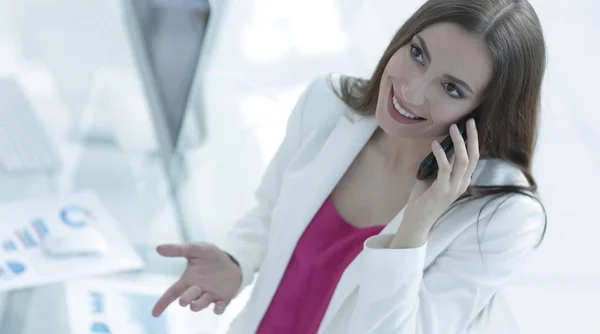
414, 92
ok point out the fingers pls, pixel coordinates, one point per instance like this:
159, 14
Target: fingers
442, 161
464, 161
170, 250
220, 307
469, 156
168, 297
461, 158
201, 303
192, 293
472, 147
199, 300
192, 296
187, 250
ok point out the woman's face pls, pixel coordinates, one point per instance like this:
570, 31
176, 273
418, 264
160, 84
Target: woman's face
438, 78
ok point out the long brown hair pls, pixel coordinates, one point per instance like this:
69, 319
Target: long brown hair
507, 118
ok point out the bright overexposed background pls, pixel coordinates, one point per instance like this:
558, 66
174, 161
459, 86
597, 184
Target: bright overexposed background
255, 65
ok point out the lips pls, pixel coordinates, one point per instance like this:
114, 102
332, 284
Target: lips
397, 115
403, 106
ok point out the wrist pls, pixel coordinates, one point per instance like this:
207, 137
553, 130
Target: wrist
410, 236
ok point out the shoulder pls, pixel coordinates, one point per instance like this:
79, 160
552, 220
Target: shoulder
500, 223
519, 214
322, 87
514, 213
321, 104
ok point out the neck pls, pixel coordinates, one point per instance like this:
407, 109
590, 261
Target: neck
401, 153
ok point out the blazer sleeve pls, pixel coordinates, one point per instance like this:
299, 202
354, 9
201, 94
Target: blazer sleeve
247, 241
398, 295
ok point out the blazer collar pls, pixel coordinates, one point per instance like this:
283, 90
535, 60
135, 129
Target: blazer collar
497, 172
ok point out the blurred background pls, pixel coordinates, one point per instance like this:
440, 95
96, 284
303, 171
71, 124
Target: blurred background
169, 110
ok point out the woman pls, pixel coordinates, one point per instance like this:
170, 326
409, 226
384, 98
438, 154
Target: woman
344, 235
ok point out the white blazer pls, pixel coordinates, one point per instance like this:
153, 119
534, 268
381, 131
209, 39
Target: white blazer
449, 285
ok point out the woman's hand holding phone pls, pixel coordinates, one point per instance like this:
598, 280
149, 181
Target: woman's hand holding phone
429, 199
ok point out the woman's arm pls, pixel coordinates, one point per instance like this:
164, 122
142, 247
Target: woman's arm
246, 242
398, 295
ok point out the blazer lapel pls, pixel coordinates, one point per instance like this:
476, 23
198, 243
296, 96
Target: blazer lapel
350, 278
312, 187
340, 149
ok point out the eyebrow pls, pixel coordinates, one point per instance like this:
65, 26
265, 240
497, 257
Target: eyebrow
448, 76
424, 46
460, 82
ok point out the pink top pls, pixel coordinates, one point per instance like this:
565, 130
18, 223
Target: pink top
326, 248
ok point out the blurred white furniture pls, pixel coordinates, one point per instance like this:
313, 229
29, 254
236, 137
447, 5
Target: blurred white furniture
24, 143
101, 148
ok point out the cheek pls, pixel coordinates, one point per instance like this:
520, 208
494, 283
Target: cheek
396, 66
445, 114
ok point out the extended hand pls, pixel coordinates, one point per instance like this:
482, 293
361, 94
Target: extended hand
428, 200
210, 276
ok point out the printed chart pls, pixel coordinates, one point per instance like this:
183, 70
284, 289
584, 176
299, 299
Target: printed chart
31, 235
123, 305
25, 225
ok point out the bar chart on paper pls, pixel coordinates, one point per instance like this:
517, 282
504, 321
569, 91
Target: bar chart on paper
23, 238
29, 237
24, 226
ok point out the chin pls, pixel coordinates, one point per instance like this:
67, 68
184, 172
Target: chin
395, 130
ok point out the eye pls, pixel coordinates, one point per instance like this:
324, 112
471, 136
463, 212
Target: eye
451, 90
416, 53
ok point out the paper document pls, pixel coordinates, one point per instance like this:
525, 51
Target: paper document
26, 227
123, 305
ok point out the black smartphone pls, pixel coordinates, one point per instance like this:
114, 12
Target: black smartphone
429, 167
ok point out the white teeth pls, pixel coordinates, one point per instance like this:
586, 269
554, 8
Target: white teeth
402, 111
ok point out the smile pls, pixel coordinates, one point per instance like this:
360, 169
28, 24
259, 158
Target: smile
400, 114
402, 111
